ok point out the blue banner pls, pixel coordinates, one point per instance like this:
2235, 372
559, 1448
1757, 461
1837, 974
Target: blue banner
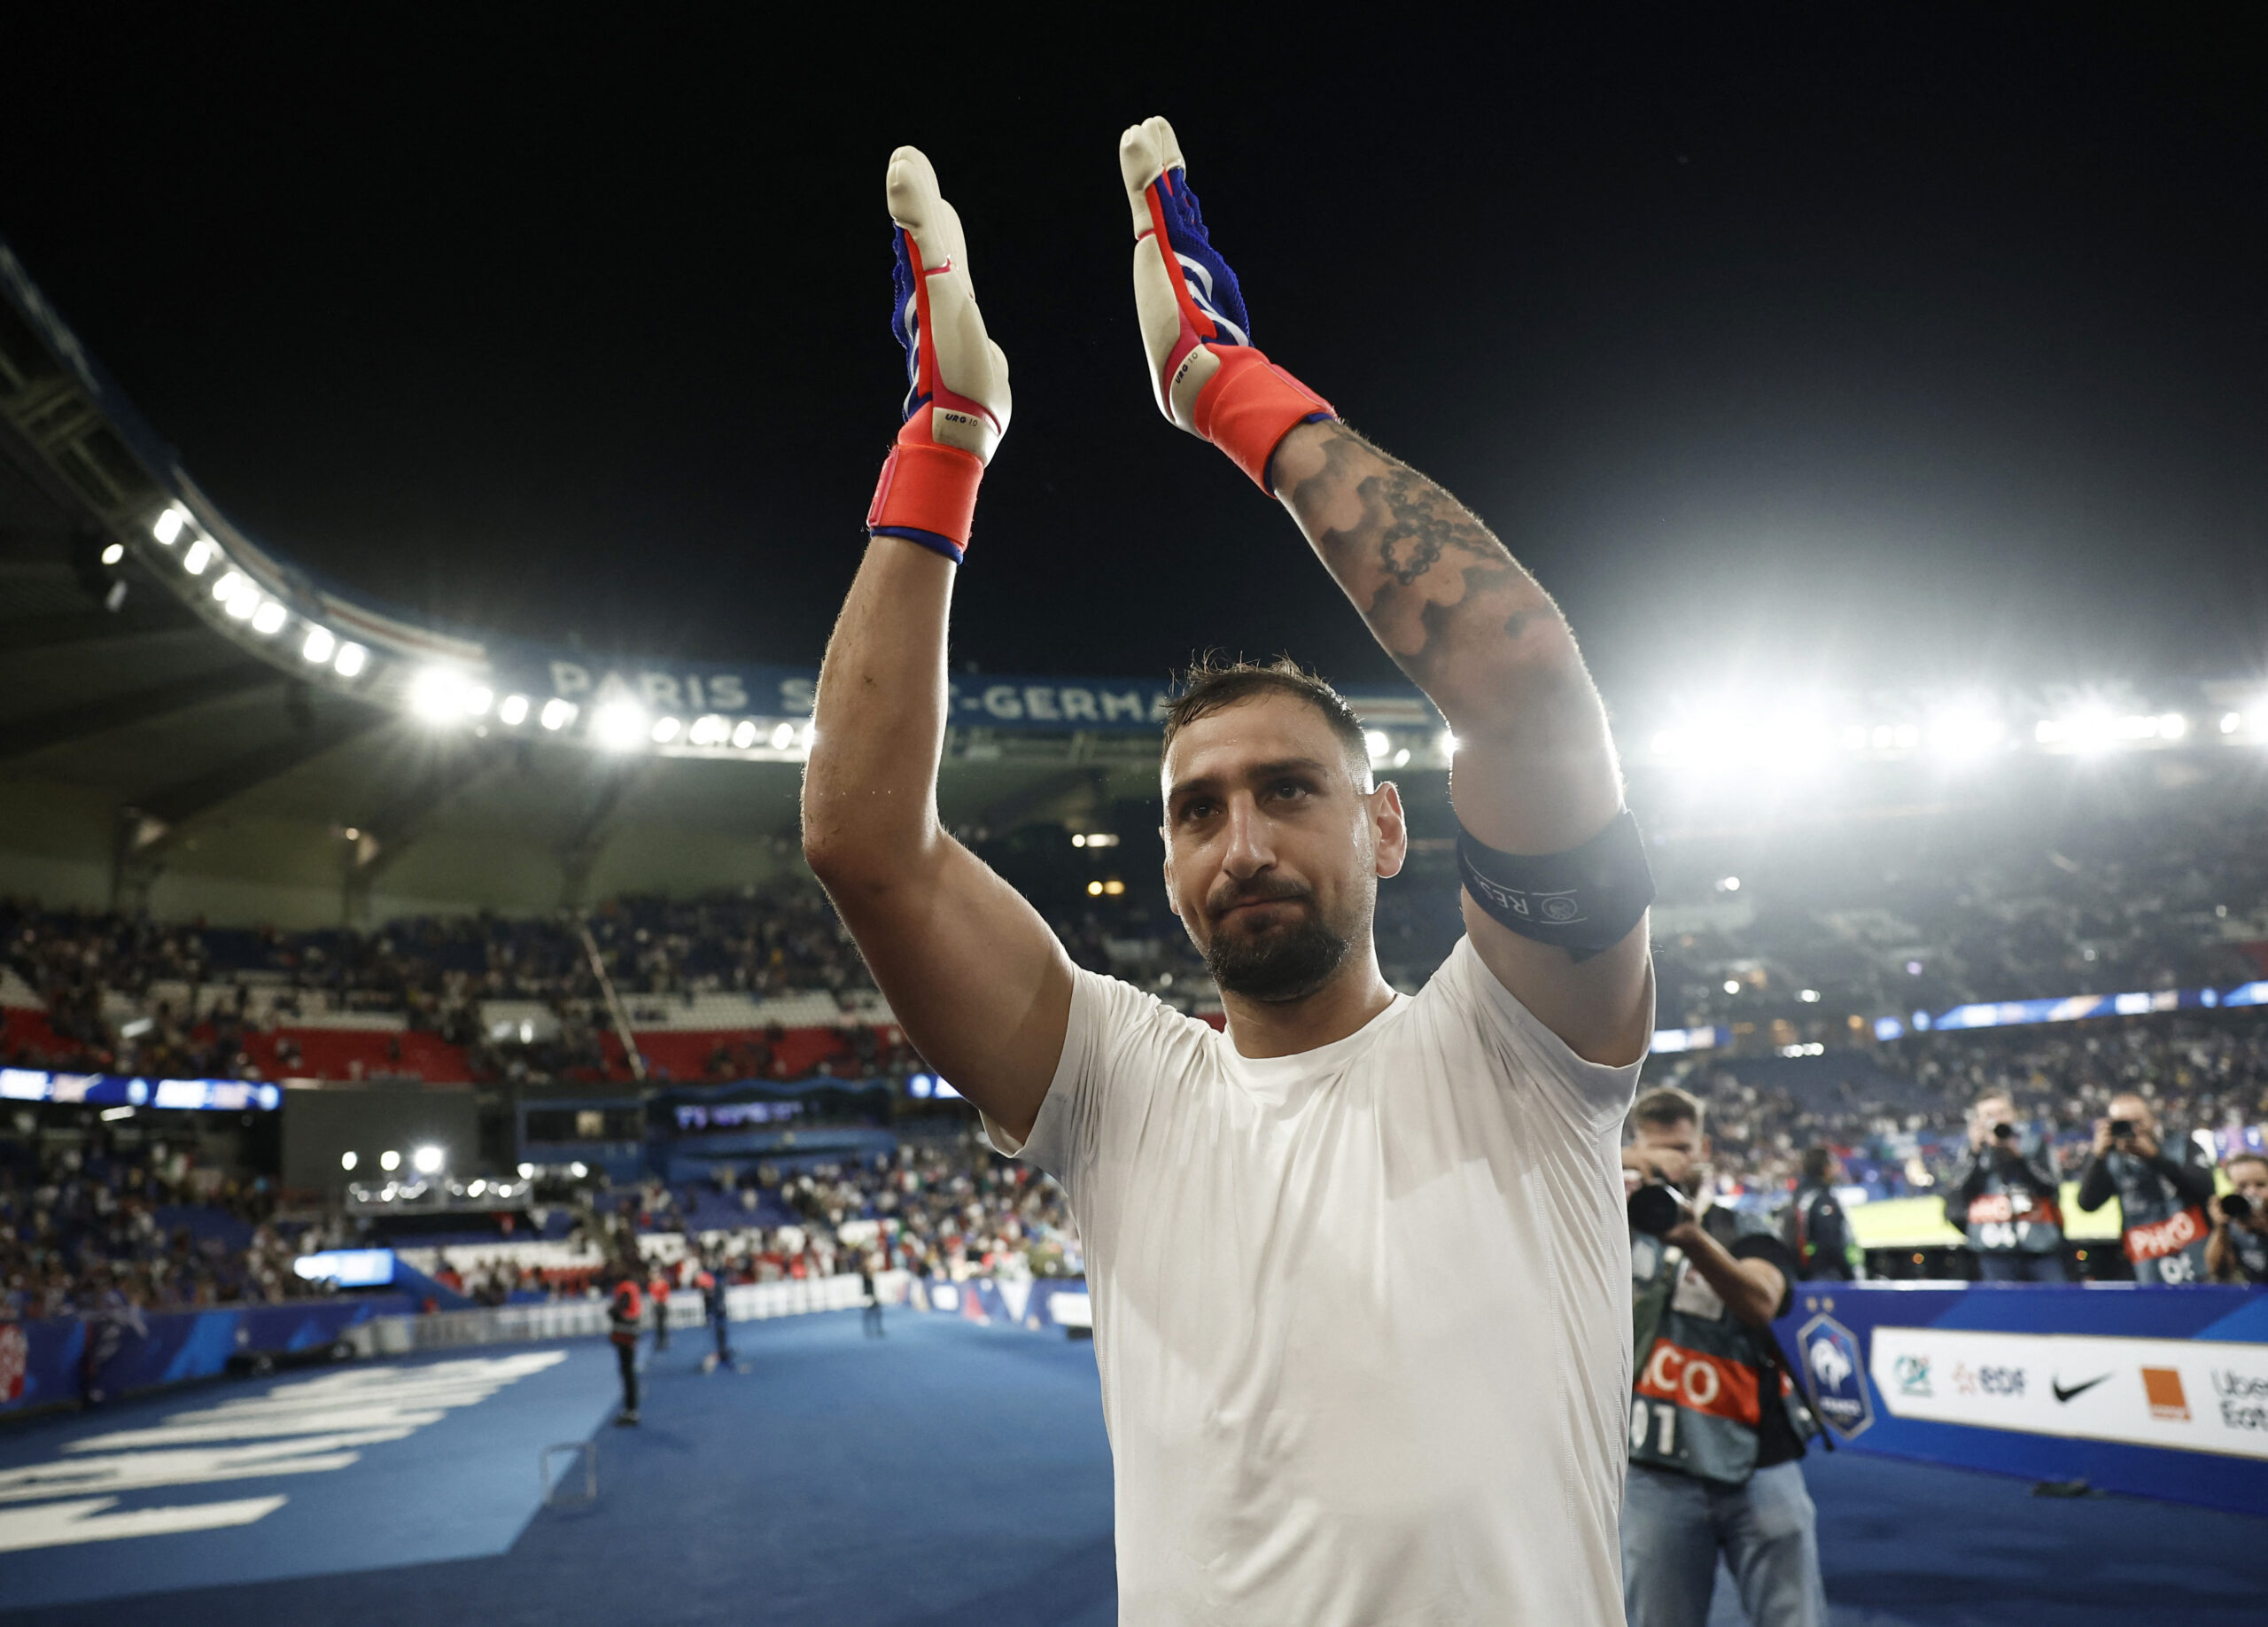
123, 1090
2156, 1392
47, 1364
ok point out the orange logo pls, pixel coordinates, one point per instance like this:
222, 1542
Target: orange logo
1718, 1386
2163, 1385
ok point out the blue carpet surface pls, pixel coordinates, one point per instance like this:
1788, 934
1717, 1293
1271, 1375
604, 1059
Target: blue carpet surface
948, 1473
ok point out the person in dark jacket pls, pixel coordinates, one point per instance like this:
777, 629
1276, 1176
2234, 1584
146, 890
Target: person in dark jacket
1817, 1230
2238, 1249
626, 1312
2006, 1203
2162, 1191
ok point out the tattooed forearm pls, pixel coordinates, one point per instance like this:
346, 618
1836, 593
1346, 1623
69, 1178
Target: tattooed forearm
1443, 596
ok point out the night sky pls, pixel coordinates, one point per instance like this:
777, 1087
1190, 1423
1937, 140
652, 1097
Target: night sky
1898, 344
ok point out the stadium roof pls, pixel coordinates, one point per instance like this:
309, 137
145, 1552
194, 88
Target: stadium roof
191, 722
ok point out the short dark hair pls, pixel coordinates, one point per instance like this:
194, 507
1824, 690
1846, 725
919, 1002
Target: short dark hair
2246, 1157
1817, 1161
1668, 1106
1213, 684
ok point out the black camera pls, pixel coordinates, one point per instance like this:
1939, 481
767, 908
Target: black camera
2004, 1132
1656, 1207
2236, 1206
2122, 1129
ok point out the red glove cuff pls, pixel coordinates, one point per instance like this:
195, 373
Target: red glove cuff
1249, 406
928, 492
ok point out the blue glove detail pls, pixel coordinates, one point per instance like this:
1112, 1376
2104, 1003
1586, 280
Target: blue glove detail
1212, 285
904, 325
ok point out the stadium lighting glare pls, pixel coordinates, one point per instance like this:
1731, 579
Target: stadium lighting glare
347, 1160
243, 603
1401, 758
167, 525
389, 1160
1906, 737
479, 699
2172, 726
808, 733
1810, 997
514, 711
1964, 733
666, 729
1854, 738
743, 734
111, 1116
1449, 742
2232, 721
527, 1171
349, 661
1078, 840
1732, 985
319, 645
1375, 741
476, 1188
268, 621
579, 1169
436, 694
618, 725
200, 555
428, 1160
115, 552
225, 589
557, 714
1881, 735
1113, 887
783, 736
1730, 883
1094, 890
710, 730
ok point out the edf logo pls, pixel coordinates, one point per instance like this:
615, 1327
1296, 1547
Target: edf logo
1838, 1376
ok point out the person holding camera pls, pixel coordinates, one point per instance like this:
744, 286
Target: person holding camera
2006, 1203
1716, 1424
2237, 1251
2162, 1193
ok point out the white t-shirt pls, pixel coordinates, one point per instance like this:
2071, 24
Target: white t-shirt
1363, 1314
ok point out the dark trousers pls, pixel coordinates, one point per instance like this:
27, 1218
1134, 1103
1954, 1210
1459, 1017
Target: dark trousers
661, 1326
724, 1345
2022, 1268
872, 1322
625, 1354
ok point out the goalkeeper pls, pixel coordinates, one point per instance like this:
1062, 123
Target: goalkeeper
1358, 1261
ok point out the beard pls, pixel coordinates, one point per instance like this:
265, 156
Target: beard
1279, 963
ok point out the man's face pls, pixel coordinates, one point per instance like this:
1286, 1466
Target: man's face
1678, 1150
2135, 1109
2250, 1176
1996, 1111
1274, 847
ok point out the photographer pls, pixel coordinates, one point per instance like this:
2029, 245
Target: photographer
2007, 1203
2238, 1249
2163, 1195
1716, 1424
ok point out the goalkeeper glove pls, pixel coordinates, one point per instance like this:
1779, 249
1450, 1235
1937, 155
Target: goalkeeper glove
957, 401
1208, 377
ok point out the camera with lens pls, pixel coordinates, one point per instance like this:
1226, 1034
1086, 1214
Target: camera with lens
2122, 1129
2235, 1205
1656, 1207
2004, 1132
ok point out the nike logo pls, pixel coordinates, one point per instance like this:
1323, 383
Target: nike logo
2062, 1393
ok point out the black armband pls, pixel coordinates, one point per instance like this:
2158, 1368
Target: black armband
1586, 899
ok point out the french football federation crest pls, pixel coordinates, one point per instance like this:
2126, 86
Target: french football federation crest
1837, 1375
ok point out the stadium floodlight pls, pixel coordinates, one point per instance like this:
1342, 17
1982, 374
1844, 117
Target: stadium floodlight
243, 603
479, 699
1449, 742
168, 525
1906, 737
1881, 735
744, 734
225, 588
618, 725
808, 733
579, 1169
1964, 733
1732, 985
268, 621
428, 1160
389, 1160
710, 730
1094, 890
115, 552
476, 1188
319, 646
1375, 741
557, 714
2232, 721
1729, 883
666, 729
514, 711
783, 735
349, 661
1855, 737
438, 695
2172, 726
527, 1171
200, 555
1810, 997
347, 1160
1401, 758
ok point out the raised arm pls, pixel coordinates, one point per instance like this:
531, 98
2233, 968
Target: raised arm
1535, 772
976, 978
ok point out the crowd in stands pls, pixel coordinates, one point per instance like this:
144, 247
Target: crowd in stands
94, 1226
